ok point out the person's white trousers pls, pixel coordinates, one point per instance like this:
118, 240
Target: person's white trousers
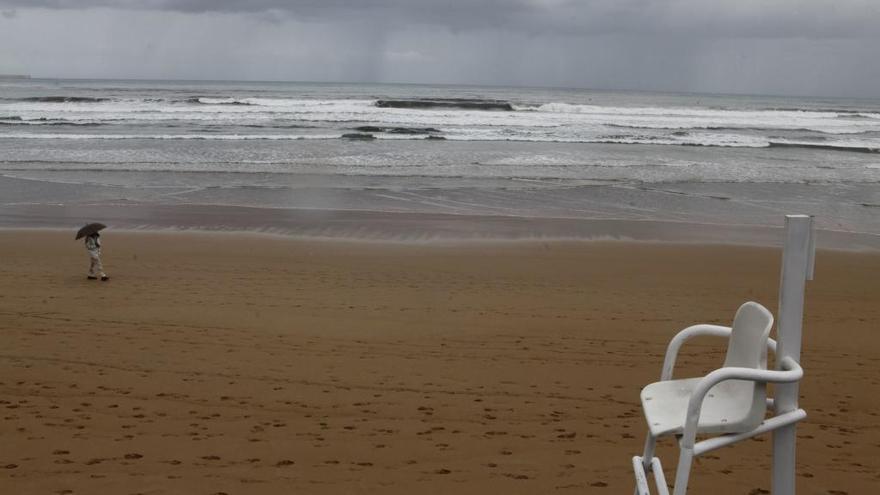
96, 269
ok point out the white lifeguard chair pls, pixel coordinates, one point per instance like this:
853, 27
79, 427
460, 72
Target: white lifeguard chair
731, 401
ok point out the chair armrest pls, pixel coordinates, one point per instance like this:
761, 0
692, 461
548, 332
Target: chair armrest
689, 333
790, 371
682, 337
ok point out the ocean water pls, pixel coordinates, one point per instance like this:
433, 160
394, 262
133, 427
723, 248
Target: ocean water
530, 152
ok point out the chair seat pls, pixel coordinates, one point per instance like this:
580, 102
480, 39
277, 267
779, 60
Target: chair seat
726, 409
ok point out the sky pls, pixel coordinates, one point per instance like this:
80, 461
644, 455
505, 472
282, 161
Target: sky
783, 47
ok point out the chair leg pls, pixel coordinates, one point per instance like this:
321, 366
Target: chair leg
641, 477
659, 477
650, 443
682, 474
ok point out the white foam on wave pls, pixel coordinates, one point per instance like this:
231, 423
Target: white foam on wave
703, 139
719, 140
680, 118
550, 122
588, 117
290, 103
493, 134
842, 144
678, 111
208, 137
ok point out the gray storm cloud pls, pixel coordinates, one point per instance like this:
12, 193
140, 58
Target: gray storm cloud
726, 18
785, 46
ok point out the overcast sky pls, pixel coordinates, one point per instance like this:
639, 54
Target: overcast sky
803, 47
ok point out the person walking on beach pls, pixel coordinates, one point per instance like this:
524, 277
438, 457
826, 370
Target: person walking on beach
93, 246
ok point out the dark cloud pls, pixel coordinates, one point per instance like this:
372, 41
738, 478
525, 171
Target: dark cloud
709, 18
753, 46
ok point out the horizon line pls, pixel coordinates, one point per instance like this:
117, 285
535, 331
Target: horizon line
29, 77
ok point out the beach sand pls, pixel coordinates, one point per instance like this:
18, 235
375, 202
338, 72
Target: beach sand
245, 364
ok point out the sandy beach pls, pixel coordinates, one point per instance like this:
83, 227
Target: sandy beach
248, 364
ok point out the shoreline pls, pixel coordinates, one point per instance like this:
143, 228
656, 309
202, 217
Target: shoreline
407, 227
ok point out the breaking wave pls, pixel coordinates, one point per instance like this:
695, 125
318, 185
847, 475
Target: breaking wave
262, 116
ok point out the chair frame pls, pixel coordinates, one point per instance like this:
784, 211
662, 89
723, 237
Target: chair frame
790, 372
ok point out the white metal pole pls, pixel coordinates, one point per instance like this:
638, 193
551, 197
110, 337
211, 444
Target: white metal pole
797, 267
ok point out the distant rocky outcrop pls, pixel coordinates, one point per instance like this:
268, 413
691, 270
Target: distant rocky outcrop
397, 130
64, 99
460, 103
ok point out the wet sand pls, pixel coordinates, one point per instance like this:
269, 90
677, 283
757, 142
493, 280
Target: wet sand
414, 227
246, 364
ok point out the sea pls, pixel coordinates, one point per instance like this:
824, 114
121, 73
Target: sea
449, 151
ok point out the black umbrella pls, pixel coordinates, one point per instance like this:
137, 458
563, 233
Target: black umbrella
90, 229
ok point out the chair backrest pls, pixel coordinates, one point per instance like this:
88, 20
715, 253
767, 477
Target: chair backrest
747, 347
